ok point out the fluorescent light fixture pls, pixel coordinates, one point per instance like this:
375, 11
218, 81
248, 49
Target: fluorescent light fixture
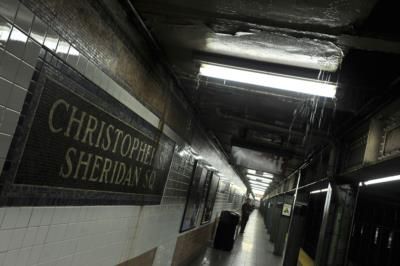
259, 182
258, 186
251, 171
259, 176
257, 189
319, 191
265, 174
266, 182
255, 186
264, 79
243, 33
382, 180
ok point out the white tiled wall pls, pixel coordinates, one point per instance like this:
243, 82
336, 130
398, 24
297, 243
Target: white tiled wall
87, 235
21, 37
18, 54
92, 235
66, 235
158, 226
63, 236
165, 253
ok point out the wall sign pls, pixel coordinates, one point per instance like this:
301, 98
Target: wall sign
211, 195
180, 175
286, 209
78, 145
73, 143
195, 198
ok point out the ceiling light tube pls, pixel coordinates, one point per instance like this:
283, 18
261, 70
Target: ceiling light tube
258, 187
257, 179
319, 191
259, 182
275, 81
382, 180
259, 190
251, 171
265, 174
259, 176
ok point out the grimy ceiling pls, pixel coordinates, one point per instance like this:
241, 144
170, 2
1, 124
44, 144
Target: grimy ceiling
355, 43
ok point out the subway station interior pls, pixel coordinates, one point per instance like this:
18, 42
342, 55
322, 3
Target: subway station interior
148, 132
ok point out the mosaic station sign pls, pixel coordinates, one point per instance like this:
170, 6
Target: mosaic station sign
73, 143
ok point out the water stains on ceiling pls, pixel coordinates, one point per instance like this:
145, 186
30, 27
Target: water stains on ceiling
351, 42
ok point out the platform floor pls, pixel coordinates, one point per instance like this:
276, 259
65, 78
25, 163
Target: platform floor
251, 249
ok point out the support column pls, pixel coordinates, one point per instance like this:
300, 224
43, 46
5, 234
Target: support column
336, 226
323, 239
276, 209
296, 230
346, 201
282, 227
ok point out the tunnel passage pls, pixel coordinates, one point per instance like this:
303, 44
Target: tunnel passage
127, 127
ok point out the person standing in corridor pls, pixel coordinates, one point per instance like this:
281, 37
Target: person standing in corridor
246, 211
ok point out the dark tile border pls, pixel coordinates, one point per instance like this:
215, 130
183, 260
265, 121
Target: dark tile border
12, 194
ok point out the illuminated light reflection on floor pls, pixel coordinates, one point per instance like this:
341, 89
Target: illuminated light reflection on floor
251, 249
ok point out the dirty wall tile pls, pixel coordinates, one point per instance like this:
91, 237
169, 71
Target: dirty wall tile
24, 19
8, 9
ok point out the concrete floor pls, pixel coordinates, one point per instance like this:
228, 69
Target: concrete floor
251, 249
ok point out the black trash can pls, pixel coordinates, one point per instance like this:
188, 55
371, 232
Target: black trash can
226, 230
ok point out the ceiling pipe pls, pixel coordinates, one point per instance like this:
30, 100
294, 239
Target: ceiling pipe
268, 147
320, 135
